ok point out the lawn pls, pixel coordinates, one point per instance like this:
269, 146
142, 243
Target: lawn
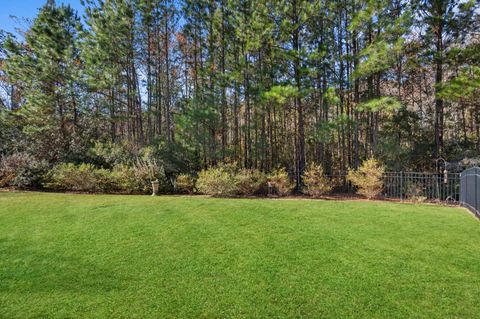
93, 256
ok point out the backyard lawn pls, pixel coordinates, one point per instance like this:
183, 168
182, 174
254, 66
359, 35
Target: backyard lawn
95, 256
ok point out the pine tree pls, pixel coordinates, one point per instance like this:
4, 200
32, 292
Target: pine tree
46, 67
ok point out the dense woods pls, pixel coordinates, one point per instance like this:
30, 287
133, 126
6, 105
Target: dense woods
265, 84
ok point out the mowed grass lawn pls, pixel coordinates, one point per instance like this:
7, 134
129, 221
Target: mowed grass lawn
92, 256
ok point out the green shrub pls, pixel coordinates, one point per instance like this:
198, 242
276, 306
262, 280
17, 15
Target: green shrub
83, 177
22, 170
111, 153
104, 180
368, 178
316, 184
125, 179
122, 178
250, 181
218, 181
185, 183
228, 180
281, 182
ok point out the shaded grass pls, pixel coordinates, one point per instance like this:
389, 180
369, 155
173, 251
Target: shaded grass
95, 256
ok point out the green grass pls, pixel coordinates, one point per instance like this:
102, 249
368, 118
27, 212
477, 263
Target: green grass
92, 256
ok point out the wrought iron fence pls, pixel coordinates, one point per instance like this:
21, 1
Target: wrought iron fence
434, 187
470, 189
417, 186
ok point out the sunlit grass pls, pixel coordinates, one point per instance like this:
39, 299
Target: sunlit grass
92, 256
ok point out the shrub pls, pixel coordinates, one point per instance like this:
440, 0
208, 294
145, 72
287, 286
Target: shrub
316, 183
125, 179
415, 193
8, 169
122, 178
281, 182
68, 176
83, 177
225, 180
111, 153
218, 181
368, 178
249, 181
146, 171
185, 183
104, 181
22, 170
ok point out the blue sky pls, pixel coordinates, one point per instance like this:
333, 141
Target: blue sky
25, 9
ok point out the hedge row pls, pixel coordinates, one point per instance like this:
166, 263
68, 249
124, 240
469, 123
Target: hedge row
23, 171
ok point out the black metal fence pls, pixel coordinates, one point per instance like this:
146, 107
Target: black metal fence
450, 188
420, 186
470, 189
415, 186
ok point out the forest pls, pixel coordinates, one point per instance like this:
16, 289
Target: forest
263, 84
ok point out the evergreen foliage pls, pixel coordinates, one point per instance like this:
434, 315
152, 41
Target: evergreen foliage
264, 84
368, 178
316, 183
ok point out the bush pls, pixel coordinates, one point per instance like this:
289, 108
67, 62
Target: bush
250, 181
146, 171
415, 193
22, 170
281, 182
83, 177
125, 179
368, 178
218, 181
110, 153
122, 178
185, 183
227, 180
316, 183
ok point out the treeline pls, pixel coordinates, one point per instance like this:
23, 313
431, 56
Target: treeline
264, 84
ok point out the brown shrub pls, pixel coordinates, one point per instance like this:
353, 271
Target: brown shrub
185, 183
281, 182
368, 178
316, 184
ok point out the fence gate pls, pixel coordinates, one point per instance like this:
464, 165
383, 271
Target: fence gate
470, 189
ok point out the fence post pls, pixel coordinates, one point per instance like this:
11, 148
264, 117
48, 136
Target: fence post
477, 195
469, 189
401, 185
